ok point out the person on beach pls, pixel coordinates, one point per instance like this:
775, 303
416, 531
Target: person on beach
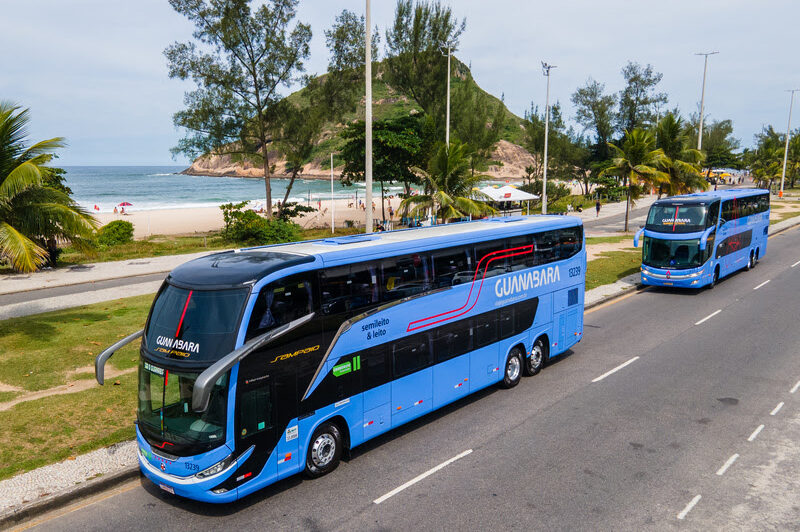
391, 212
122, 211
597, 208
115, 210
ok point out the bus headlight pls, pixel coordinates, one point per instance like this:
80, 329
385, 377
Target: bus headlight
217, 468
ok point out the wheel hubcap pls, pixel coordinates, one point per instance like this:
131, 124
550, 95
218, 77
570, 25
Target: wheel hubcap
323, 449
536, 356
512, 369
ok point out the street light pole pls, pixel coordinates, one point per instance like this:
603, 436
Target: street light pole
368, 121
546, 71
447, 124
703, 99
786, 148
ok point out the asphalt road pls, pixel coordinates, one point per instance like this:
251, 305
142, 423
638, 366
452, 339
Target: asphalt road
578, 447
77, 289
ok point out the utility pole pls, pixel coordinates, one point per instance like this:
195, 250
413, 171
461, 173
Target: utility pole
368, 121
786, 148
333, 202
447, 124
703, 99
546, 71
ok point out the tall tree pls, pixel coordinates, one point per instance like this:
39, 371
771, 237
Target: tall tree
300, 122
451, 186
637, 161
477, 121
682, 162
414, 43
240, 59
594, 110
766, 161
35, 212
639, 101
719, 144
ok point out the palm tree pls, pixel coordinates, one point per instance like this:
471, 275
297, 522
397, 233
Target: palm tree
637, 161
450, 186
683, 165
31, 213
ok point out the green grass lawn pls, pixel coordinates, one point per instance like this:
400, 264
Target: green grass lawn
609, 239
611, 267
777, 216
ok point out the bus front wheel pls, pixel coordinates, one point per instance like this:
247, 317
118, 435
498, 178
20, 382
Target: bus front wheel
513, 370
714, 279
538, 358
324, 451
751, 261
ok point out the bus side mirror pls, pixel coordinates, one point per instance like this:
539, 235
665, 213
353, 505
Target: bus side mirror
704, 238
201, 394
636, 237
102, 358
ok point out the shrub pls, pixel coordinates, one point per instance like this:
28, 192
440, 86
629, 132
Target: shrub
114, 233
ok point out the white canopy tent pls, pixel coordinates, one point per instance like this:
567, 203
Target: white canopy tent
508, 193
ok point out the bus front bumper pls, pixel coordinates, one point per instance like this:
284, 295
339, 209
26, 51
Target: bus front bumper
682, 280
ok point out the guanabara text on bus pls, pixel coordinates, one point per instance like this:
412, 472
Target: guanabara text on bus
261, 363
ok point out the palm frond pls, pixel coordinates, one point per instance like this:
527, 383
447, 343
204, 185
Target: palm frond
22, 252
23, 176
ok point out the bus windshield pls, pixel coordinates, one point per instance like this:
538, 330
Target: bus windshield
195, 325
165, 409
677, 218
673, 254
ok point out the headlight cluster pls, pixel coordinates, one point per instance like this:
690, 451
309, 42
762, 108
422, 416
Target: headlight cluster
219, 467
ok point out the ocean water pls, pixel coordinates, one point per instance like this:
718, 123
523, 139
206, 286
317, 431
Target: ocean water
162, 187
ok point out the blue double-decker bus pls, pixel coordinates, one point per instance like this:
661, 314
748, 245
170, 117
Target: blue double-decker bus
261, 363
694, 240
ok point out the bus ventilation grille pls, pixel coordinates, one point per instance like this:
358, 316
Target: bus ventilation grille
506, 219
342, 240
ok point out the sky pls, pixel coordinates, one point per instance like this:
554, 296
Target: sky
93, 71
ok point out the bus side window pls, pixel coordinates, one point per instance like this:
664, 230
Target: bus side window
255, 411
523, 260
411, 354
484, 329
375, 370
452, 266
348, 288
713, 213
452, 340
491, 267
547, 247
405, 276
570, 241
505, 321
280, 302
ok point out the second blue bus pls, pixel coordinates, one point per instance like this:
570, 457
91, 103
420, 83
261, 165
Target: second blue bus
694, 240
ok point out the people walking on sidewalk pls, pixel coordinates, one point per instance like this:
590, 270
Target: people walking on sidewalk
597, 208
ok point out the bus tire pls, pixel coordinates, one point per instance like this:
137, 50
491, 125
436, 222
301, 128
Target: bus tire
538, 358
324, 450
714, 278
513, 368
751, 261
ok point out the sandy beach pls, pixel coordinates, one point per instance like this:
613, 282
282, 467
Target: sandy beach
205, 219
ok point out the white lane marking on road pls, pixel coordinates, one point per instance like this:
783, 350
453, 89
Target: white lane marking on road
726, 465
755, 433
689, 507
421, 477
795, 264
795, 387
762, 284
776, 409
607, 373
709, 317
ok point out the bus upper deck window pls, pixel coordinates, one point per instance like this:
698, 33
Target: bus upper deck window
280, 302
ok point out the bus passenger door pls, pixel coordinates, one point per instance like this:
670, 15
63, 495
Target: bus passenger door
412, 387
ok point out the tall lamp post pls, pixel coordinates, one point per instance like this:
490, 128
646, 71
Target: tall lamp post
703, 99
447, 117
546, 71
368, 122
786, 148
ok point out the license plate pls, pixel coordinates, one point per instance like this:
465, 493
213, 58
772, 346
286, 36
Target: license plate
668, 284
166, 488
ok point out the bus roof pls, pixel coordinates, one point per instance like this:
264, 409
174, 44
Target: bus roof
712, 195
244, 266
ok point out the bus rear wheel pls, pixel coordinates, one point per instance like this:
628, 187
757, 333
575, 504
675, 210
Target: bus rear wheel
324, 450
538, 358
513, 369
751, 261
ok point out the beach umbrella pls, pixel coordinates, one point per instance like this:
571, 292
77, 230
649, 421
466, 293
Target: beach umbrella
125, 204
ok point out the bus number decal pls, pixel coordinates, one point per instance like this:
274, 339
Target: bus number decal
575, 272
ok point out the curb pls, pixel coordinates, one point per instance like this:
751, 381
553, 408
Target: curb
66, 497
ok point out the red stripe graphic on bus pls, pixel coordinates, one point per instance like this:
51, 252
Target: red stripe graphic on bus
183, 314
455, 313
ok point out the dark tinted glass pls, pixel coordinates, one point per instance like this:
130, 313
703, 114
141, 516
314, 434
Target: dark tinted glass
524, 257
374, 366
348, 288
484, 329
490, 265
505, 321
453, 266
547, 247
686, 218
451, 340
255, 411
280, 302
405, 276
570, 242
411, 354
